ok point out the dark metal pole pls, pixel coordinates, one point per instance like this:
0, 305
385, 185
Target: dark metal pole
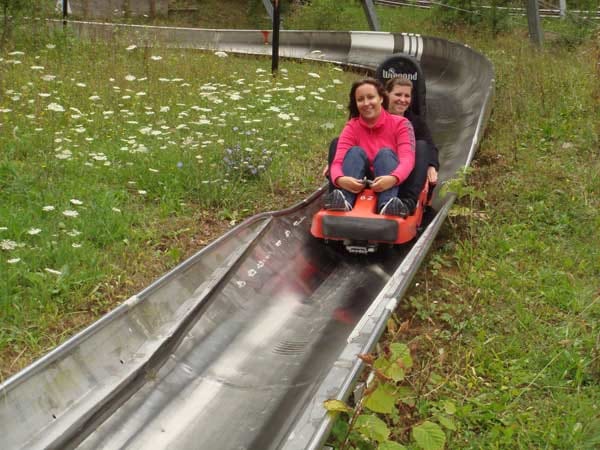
536, 35
371, 14
275, 41
65, 5
269, 8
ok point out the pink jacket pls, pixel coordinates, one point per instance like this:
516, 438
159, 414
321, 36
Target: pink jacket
390, 131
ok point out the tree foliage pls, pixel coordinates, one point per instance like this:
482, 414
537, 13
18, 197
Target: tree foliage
15, 11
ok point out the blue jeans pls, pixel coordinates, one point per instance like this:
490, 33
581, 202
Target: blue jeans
356, 165
412, 186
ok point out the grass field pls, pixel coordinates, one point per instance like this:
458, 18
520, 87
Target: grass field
115, 157
503, 317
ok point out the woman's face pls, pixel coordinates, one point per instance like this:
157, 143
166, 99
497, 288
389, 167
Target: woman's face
400, 98
368, 102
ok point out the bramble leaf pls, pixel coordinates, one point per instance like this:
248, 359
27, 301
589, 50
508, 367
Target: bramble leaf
401, 352
447, 422
337, 406
429, 436
449, 407
395, 372
390, 445
406, 395
382, 399
372, 427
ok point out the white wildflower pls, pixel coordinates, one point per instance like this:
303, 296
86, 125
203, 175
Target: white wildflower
34, 231
221, 54
70, 213
155, 58
64, 154
7, 244
314, 75
55, 107
131, 47
48, 208
13, 260
130, 77
76, 202
52, 271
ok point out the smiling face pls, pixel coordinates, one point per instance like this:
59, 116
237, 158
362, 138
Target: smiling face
400, 98
368, 102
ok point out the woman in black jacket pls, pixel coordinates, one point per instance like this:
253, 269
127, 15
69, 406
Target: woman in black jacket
426, 159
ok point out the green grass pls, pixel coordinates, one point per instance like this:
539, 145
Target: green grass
109, 150
511, 296
529, 265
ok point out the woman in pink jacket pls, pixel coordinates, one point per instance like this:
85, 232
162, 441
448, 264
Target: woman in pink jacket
373, 144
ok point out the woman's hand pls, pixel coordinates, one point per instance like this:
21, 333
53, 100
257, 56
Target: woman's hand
432, 175
350, 184
326, 171
384, 183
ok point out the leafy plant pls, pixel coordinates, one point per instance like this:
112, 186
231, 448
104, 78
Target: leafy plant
387, 401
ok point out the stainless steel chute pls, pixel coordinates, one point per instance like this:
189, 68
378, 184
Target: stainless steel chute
237, 347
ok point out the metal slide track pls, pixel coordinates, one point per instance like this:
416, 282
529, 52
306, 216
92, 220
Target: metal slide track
237, 347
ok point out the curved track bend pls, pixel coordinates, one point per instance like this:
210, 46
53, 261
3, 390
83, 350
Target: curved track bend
237, 347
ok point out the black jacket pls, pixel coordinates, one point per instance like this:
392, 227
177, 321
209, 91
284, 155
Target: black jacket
422, 133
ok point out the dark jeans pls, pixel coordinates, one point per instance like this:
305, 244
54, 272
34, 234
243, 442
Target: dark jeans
412, 186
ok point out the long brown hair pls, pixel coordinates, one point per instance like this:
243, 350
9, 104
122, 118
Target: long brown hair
353, 108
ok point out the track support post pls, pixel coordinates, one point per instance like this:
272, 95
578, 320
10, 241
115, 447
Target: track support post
536, 34
369, 8
275, 40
